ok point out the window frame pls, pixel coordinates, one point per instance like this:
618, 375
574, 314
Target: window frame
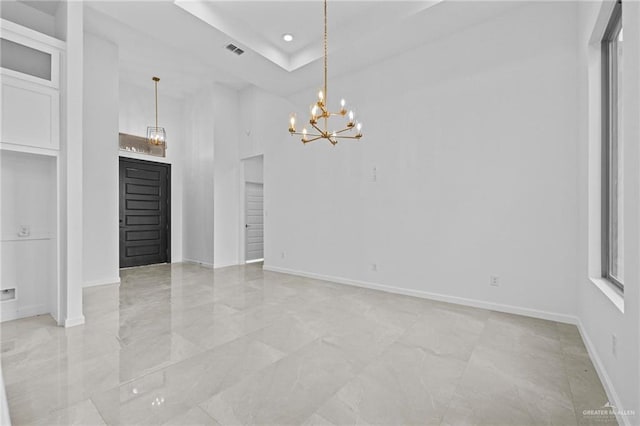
610, 120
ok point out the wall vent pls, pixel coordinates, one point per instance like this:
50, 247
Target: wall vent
235, 49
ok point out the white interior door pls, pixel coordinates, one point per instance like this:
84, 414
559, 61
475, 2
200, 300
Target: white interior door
254, 222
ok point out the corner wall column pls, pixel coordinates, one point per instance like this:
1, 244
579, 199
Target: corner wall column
72, 169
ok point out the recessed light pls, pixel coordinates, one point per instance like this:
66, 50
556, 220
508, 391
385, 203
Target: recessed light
287, 37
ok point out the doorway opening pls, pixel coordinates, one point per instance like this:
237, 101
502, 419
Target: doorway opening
254, 222
252, 212
145, 209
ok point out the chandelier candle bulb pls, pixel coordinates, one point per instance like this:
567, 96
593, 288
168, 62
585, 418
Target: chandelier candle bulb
343, 110
292, 123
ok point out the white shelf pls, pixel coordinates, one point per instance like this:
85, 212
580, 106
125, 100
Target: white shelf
41, 237
26, 149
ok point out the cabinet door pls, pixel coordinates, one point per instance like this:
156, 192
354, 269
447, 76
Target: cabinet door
30, 114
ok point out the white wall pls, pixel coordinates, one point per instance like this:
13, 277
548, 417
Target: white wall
262, 135
474, 141
252, 126
136, 112
28, 263
212, 177
199, 177
226, 166
600, 317
100, 161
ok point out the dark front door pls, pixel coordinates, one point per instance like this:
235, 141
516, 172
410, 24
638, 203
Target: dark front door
145, 207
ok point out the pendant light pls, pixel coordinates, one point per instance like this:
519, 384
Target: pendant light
156, 135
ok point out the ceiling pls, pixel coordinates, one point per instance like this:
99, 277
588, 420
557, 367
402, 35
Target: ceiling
184, 41
261, 24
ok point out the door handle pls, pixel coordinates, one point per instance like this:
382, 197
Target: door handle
246, 225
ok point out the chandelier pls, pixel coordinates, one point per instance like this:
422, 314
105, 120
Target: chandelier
156, 135
320, 114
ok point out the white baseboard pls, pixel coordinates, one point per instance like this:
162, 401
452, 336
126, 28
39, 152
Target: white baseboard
534, 313
604, 377
210, 265
197, 262
106, 281
72, 322
225, 265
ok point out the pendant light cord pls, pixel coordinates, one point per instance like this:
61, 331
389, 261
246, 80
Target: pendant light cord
156, 80
325, 49
325, 65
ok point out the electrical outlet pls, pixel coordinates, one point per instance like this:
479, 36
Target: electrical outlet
374, 267
8, 294
24, 231
614, 345
374, 175
494, 281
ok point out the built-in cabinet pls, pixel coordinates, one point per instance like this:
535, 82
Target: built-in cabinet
30, 114
30, 172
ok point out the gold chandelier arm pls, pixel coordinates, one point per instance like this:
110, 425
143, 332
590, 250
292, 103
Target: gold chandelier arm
347, 137
312, 139
344, 130
318, 129
307, 134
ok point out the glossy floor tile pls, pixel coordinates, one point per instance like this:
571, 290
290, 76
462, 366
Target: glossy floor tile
185, 345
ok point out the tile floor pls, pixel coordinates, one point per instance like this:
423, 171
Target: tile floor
184, 345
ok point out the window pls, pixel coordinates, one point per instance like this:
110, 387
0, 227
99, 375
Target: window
612, 152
